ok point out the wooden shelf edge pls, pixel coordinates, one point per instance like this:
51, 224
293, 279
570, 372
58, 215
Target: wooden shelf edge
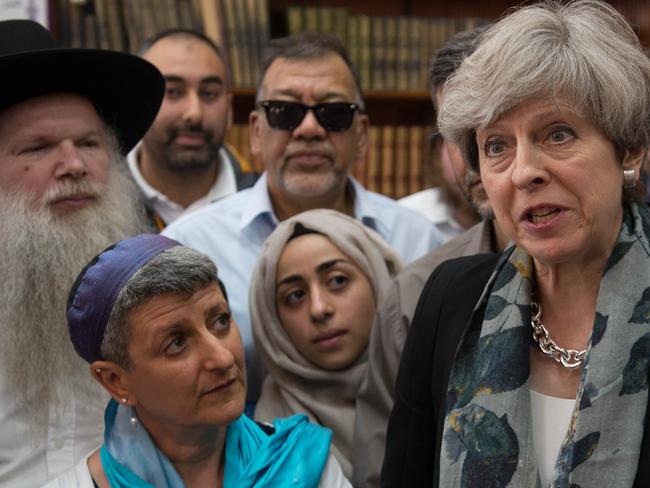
369, 95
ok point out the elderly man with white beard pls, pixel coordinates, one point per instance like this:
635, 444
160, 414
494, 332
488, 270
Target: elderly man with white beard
67, 117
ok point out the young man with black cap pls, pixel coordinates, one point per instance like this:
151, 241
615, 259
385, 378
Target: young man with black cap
67, 118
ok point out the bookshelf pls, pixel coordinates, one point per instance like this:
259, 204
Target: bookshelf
390, 42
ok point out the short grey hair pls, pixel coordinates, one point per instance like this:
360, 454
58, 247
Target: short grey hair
179, 270
585, 51
307, 46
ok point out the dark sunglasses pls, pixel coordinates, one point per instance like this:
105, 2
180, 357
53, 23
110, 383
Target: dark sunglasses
333, 117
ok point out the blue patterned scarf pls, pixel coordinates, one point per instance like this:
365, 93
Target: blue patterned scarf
294, 455
487, 440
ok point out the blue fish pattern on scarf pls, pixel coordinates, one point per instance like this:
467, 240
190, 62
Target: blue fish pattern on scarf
487, 439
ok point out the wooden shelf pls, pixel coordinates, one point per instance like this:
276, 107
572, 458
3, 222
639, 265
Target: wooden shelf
636, 11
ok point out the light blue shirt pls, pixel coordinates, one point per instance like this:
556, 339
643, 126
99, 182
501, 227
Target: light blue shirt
231, 232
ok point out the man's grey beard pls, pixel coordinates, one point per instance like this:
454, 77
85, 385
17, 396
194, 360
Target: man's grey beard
41, 253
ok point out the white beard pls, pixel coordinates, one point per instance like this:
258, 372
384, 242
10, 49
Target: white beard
41, 253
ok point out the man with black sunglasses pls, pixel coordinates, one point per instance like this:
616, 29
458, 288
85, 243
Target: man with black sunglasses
308, 128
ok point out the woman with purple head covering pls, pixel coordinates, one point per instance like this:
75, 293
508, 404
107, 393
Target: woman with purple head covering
152, 319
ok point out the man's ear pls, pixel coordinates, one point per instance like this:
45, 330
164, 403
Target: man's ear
362, 128
254, 126
113, 379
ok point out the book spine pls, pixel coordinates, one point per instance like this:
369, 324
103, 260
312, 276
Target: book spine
402, 61
242, 38
197, 16
390, 53
295, 20
76, 26
365, 51
352, 42
262, 15
132, 22
184, 12
251, 31
373, 171
212, 21
311, 19
416, 27
115, 25
326, 20
148, 23
233, 47
378, 56
90, 31
416, 144
103, 36
340, 28
401, 161
388, 160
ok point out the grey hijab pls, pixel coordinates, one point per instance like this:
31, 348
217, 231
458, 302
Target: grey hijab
293, 384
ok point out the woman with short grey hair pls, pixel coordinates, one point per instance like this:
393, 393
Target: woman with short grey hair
531, 368
153, 321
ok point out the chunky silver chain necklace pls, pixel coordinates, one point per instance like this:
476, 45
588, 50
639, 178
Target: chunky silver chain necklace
569, 358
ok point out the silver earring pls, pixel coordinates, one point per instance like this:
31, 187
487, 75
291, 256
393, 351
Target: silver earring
124, 400
629, 179
134, 419
98, 370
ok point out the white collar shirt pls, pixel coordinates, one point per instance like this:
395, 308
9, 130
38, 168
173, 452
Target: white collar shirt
432, 205
169, 210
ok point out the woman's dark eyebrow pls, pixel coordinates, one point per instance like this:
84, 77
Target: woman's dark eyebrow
220, 307
324, 266
288, 279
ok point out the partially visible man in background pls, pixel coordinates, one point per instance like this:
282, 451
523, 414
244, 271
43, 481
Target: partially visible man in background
182, 163
67, 118
445, 204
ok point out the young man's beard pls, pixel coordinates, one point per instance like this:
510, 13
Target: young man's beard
41, 253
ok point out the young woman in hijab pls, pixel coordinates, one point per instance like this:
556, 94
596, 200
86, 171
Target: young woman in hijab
314, 299
153, 321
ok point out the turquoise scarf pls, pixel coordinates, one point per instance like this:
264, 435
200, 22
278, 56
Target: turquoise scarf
294, 455
487, 440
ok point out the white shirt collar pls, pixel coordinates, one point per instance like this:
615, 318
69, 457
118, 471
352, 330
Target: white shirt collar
169, 210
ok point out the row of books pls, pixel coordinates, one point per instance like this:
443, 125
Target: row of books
241, 26
391, 53
123, 25
245, 30
398, 162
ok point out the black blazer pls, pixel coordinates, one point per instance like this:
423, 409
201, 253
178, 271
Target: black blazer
416, 423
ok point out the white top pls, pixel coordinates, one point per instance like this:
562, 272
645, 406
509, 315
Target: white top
168, 210
432, 205
551, 418
79, 477
29, 460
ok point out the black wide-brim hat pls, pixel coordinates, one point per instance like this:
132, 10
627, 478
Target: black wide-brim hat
126, 90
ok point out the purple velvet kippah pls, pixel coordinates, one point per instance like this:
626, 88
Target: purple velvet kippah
101, 283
